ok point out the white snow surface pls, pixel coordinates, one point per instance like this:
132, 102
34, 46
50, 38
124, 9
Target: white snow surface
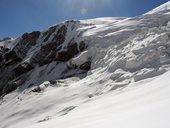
127, 86
141, 104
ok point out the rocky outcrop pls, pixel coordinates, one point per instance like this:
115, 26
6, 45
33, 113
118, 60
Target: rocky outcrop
8, 57
48, 51
49, 32
11, 58
9, 88
71, 50
22, 68
37, 49
31, 37
82, 46
67, 54
27, 41
86, 66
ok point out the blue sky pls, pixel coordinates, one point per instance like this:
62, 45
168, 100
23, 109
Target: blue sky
19, 16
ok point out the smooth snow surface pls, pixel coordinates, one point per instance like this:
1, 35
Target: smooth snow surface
126, 87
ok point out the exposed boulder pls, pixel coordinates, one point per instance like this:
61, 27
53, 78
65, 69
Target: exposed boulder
36, 89
53, 82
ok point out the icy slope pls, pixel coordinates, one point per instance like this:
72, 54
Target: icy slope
165, 8
89, 73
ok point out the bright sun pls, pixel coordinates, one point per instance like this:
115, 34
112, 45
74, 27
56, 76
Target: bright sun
83, 11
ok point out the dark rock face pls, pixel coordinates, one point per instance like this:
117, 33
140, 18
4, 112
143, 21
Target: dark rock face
27, 41
59, 38
9, 88
6, 49
48, 51
70, 52
8, 57
45, 56
82, 46
53, 47
11, 58
1, 55
48, 33
31, 37
86, 66
22, 68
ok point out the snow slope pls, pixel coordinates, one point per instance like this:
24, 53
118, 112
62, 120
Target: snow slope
165, 8
104, 72
144, 106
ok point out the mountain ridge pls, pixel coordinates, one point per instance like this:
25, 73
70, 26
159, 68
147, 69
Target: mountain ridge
164, 8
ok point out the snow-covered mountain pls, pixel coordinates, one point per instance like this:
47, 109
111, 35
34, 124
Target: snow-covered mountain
104, 72
165, 8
